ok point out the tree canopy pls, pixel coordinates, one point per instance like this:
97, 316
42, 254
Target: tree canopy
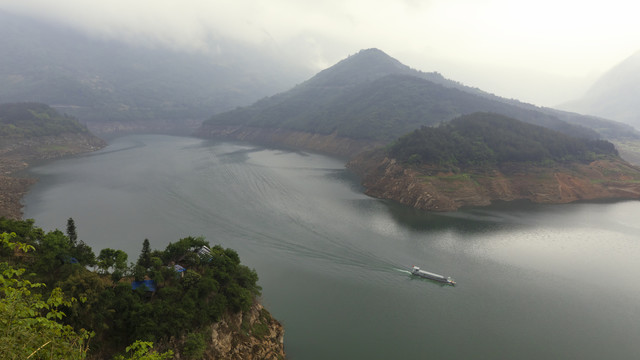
486, 138
178, 291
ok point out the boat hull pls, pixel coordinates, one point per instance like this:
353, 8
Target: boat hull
431, 276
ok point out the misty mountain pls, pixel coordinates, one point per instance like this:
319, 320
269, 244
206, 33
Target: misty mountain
371, 96
615, 94
99, 80
26, 120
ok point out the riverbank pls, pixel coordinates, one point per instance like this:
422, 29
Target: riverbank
434, 189
16, 155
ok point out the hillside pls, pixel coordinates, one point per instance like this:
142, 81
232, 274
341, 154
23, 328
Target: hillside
115, 86
191, 298
485, 139
371, 98
482, 158
615, 94
31, 132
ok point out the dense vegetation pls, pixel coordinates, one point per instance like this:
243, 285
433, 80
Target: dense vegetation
486, 138
180, 290
372, 96
24, 120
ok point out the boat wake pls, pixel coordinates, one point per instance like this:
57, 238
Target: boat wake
403, 271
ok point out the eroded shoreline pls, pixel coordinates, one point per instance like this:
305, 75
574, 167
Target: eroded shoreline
16, 155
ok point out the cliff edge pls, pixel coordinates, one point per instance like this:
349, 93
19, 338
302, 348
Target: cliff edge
247, 336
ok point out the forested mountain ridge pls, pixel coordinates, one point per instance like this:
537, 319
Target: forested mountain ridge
480, 158
491, 139
371, 97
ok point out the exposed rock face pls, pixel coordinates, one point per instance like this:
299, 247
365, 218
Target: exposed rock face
17, 154
247, 336
429, 188
331, 144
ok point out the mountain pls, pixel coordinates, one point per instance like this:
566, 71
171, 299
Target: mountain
111, 85
481, 158
31, 132
615, 94
370, 99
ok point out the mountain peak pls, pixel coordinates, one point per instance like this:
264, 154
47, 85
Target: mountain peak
365, 65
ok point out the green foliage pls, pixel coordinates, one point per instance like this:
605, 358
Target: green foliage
182, 249
143, 350
144, 260
29, 322
113, 262
183, 303
190, 279
261, 327
194, 346
24, 120
71, 231
485, 138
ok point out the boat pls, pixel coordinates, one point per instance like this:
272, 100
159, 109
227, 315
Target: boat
431, 276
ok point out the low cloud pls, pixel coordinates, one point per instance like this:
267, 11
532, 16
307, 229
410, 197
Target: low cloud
567, 39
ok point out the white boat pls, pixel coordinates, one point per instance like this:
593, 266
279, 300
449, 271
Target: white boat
431, 276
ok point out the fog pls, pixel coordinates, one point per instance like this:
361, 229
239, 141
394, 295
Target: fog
545, 52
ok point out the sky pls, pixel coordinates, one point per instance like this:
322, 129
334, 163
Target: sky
544, 52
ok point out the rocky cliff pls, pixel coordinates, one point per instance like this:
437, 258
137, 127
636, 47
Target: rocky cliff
331, 144
431, 188
247, 336
16, 154
250, 335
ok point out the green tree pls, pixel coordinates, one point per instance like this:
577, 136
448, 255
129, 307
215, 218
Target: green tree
145, 255
194, 346
71, 232
113, 262
54, 250
29, 327
84, 254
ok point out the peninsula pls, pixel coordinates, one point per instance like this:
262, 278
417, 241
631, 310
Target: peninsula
480, 158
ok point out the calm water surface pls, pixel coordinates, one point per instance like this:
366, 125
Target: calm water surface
534, 282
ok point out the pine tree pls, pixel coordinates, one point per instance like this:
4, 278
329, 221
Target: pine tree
145, 255
71, 232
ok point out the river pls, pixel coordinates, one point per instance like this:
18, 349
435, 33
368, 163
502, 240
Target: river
534, 281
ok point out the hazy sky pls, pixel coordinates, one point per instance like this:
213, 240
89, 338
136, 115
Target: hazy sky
542, 51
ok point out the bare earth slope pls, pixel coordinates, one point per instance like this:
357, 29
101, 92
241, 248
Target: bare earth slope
429, 188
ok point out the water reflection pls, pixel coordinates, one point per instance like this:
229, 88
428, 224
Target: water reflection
466, 221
